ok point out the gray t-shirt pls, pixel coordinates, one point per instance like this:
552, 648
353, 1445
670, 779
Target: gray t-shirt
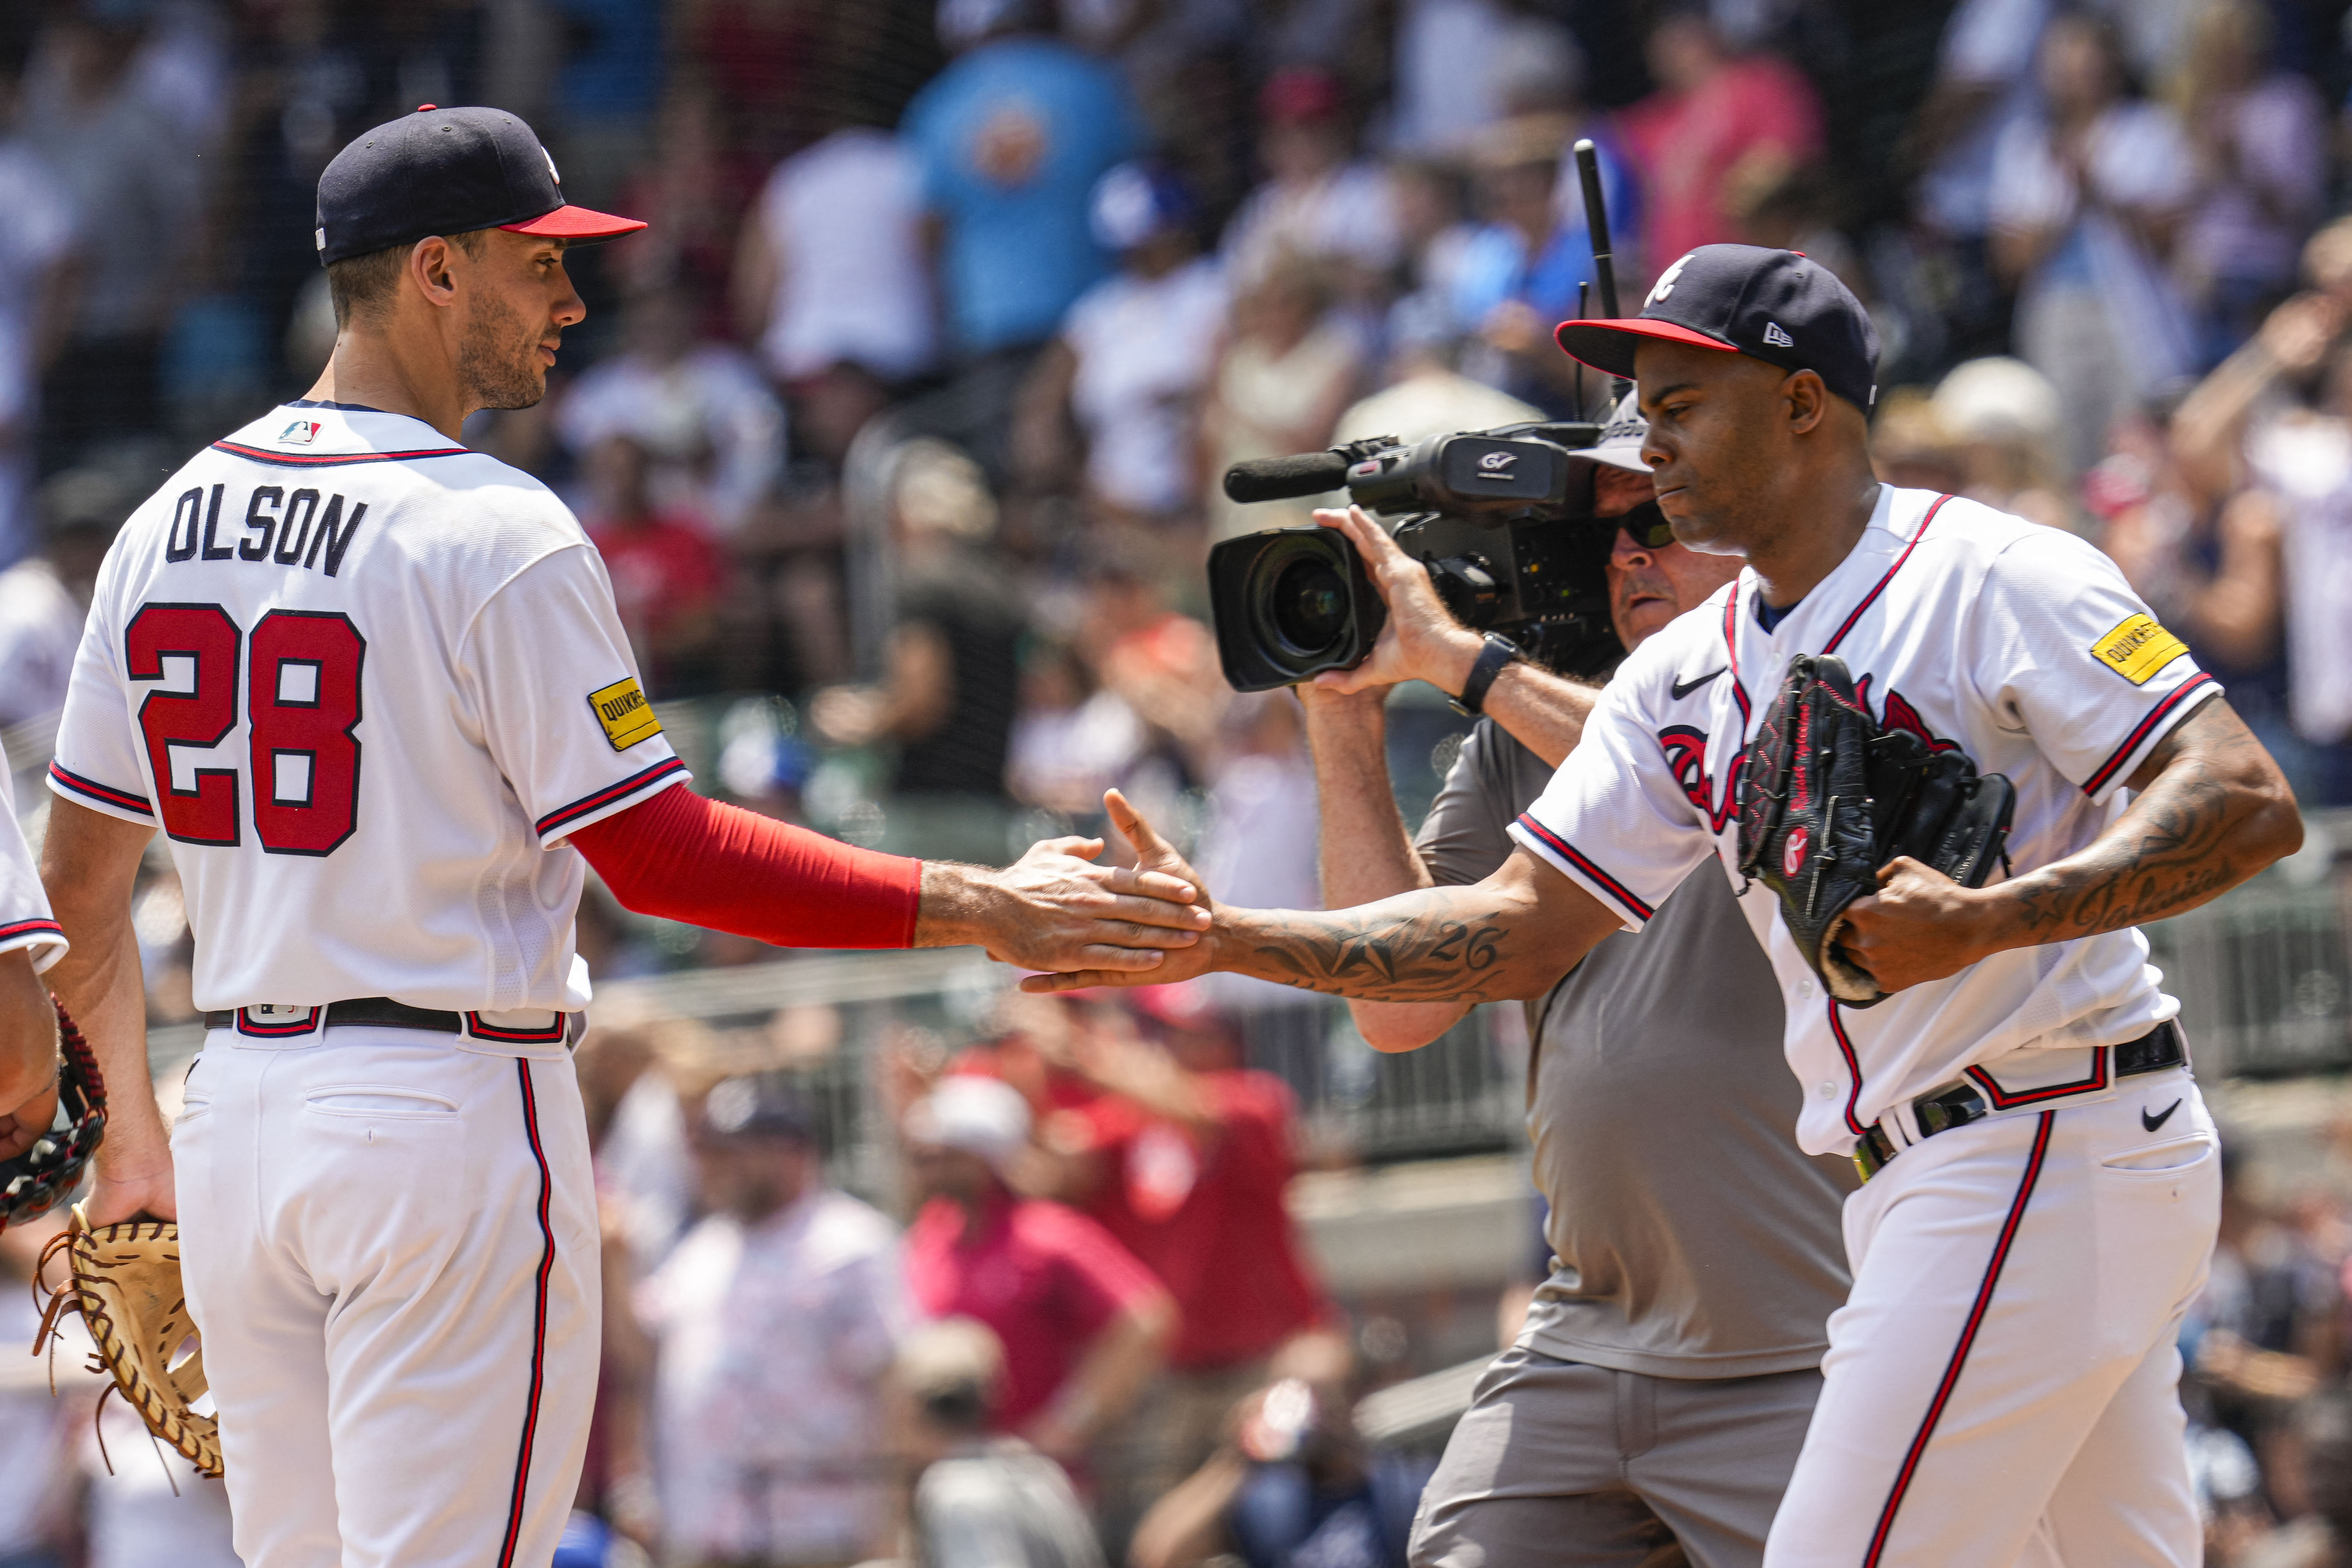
1691, 1238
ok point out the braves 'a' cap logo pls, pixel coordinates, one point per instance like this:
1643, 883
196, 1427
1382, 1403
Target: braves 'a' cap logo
1665, 283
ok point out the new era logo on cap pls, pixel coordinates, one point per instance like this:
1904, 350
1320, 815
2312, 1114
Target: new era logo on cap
1745, 299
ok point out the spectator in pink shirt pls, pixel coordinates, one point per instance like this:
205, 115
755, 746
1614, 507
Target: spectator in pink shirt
1718, 131
1082, 1325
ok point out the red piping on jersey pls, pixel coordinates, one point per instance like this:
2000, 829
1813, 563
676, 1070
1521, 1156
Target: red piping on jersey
607, 795
1960, 1351
685, 857
1608, 884
31, 928
1853, 1071
2004, 1100
537, 1319
2123, 753
99, 792
333, 460
1871, 597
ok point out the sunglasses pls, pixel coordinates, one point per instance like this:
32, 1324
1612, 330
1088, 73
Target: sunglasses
1648, 525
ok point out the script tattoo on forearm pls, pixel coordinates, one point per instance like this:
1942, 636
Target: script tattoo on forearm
2182, 843
1444, 944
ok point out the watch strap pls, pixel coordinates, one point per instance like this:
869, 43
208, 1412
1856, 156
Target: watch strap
1498, 651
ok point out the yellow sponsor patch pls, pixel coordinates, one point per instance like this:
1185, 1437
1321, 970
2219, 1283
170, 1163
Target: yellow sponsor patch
2137, 649
626, 714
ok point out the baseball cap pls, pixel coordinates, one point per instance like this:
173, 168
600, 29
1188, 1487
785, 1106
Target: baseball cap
448, 171
1137, 201
1620, 445
982, 1116
1779, 306
755, 1112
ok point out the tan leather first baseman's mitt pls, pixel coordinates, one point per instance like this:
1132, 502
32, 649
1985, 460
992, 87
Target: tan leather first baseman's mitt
125, 1283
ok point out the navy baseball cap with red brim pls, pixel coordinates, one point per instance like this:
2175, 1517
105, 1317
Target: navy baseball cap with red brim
1779, 306
448, 171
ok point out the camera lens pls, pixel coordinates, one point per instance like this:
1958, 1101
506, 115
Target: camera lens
1309, 604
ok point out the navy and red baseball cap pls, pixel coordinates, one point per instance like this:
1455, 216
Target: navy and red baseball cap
448, 171
1779, 306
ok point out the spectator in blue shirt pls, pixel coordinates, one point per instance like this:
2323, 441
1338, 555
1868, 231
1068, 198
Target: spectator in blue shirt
1010, 140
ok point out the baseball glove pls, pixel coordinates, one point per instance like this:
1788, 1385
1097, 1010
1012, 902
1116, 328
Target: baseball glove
125, 1283
32, 1183
1830, 796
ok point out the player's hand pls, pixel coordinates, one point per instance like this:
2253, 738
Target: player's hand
21, 1128
1920, 926
143, 1191
1053, 908
1154, 857
1421, 640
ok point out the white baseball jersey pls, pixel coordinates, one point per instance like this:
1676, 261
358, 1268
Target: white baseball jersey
2022, 646
364, 679
25, 918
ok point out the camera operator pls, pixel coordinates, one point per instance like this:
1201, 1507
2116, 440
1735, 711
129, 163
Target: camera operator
1661, 1387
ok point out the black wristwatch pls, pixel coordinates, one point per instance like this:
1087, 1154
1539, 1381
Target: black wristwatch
1499, 651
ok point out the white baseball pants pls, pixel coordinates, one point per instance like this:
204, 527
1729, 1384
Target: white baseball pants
388, 1245
2002, 1387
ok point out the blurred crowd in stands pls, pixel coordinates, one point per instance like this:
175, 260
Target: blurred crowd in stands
900, 432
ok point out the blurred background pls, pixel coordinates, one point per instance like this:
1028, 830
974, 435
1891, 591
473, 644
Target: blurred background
900, 432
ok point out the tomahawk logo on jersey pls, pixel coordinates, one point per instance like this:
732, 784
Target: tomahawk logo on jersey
2019, 644
287, 669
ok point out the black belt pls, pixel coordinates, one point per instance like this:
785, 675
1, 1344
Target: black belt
1963, 1102
384, 1012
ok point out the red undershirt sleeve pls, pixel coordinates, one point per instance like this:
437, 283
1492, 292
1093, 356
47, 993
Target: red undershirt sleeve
683, 857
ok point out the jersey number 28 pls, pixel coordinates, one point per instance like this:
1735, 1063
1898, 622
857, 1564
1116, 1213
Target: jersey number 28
301, 704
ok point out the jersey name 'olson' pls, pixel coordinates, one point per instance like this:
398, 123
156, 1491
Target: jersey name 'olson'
296, 529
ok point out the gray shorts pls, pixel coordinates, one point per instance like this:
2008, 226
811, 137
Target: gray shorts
1571, 1466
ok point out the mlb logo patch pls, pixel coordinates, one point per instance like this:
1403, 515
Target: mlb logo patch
302, 432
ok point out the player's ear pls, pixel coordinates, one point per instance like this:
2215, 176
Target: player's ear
1807, 400
430, 268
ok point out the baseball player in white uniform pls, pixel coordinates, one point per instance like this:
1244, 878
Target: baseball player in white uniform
2044, 1180
371, 686
31, 941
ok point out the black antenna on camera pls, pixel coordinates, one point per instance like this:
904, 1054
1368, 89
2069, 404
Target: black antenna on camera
1596, 222
1583, 309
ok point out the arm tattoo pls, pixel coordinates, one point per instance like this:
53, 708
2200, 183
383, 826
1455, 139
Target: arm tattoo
1442, 944
2184, 841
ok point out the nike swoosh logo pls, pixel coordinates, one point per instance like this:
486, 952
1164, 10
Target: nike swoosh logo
2153, 1122
1684, 687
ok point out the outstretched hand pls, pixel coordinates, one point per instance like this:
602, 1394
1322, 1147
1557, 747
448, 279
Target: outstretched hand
1053, 908
1156, 860
1420, 639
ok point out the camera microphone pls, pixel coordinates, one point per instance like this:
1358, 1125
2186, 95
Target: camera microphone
1286, 479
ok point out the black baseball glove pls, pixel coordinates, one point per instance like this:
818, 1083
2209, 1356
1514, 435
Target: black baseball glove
32, 1183
1829, 797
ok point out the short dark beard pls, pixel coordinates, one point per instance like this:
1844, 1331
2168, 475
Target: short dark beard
498, 358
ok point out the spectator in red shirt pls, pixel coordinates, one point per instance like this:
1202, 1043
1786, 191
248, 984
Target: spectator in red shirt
667, 575
1082, 1322
1719, 131
1185, 1156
